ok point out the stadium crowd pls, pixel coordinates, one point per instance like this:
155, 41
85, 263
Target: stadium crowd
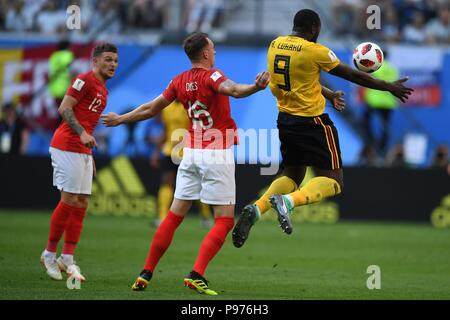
103, 16
407, 21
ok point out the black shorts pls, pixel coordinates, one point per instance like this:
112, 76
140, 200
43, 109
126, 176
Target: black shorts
168, 165
309, 141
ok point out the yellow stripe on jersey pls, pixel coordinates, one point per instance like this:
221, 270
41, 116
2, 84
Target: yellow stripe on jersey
174, 117
294, 65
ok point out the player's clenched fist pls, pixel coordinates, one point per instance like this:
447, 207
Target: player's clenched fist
262, 79
111, 119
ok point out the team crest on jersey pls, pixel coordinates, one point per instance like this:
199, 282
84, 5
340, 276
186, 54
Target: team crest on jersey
78, 84
215, 76
332, 56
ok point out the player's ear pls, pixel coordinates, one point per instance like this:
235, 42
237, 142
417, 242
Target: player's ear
315, 30
205, 54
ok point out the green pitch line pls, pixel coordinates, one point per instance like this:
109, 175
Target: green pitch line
315, 262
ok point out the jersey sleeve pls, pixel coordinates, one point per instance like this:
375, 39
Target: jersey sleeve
216, 77
170, 93
79, 87
326, 59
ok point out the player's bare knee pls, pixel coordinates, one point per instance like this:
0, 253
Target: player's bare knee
223, 211
69, 199
180, 207
83, 201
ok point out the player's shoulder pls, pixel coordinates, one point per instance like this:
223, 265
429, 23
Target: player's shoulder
82, 81
319, 47
277, 40
215, 74
85, 76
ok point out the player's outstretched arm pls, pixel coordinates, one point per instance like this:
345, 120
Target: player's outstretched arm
143, 112
363, 79
335, 97
66, 112
237, 90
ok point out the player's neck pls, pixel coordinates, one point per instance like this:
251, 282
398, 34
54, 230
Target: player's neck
99, 76
201, 65
301, 35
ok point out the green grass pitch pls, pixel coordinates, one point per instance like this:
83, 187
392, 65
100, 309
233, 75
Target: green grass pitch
317, 261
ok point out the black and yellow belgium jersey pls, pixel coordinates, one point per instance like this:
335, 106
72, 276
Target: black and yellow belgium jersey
174, 117
294, 65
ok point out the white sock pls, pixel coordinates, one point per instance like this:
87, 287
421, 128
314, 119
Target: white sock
258, 213
67, 259
49, 254
290, 199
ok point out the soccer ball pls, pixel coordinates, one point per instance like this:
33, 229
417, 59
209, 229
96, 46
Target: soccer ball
368, 57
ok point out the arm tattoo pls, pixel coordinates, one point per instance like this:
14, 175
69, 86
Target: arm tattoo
69, 117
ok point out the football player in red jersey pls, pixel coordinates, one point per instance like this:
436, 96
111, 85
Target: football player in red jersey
73, 165
206, 171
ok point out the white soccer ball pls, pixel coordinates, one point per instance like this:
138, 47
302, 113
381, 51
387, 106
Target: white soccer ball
368, 57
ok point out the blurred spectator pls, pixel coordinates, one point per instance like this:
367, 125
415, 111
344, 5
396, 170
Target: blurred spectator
380, 103
407, 10
51, 19
154, 137
438, 30
101, 135
415, 32
390, 31
31, 9
430, 8
13, 131
368, 157
16, 19
396, 157
104, 20
440, 157
202, 14
59, 74
146, 13
347, 16
130, 147
3, 10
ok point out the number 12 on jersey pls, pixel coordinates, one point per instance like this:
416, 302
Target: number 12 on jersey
283, 70
95, 104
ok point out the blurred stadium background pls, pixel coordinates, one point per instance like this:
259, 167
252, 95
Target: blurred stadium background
406, 179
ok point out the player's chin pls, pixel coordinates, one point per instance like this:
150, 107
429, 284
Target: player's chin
110, 73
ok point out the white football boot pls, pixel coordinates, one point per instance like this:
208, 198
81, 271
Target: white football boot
48, 260
68, 265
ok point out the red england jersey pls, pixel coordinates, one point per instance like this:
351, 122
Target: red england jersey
211, 125
92, 96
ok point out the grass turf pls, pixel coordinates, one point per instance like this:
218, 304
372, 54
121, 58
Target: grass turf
316, 262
